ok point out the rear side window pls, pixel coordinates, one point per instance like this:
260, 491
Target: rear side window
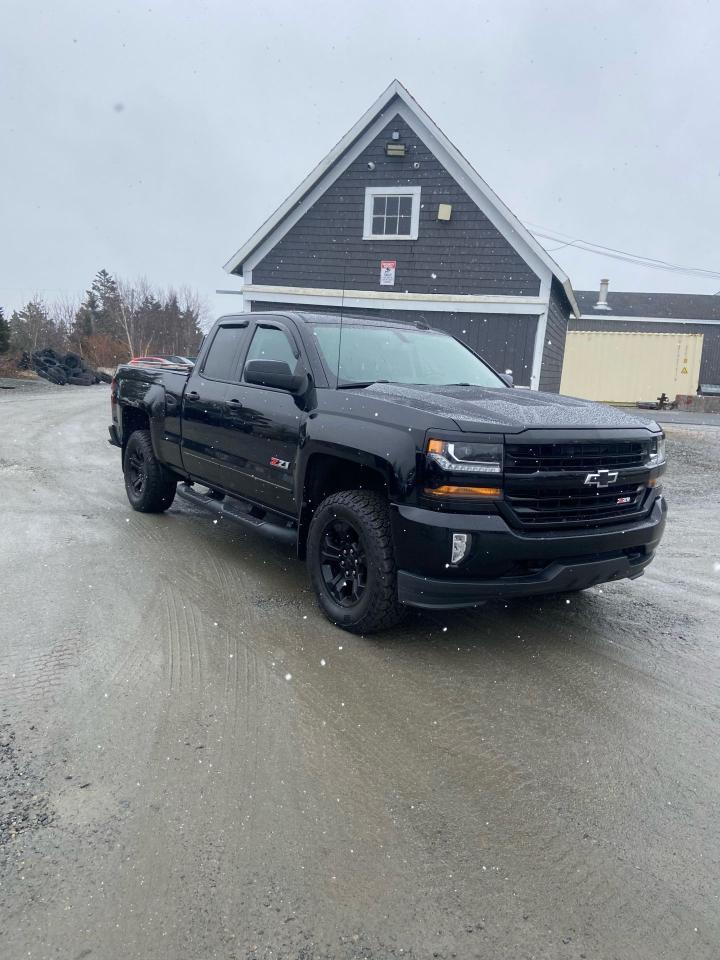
220, 361
269, 343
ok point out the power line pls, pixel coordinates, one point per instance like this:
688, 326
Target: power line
565, 240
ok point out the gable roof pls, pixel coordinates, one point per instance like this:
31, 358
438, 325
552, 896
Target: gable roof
398, 98
665, 306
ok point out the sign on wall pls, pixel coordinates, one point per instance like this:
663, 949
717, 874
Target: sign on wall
387, 273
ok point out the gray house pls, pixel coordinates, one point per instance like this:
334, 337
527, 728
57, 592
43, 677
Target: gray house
395, 221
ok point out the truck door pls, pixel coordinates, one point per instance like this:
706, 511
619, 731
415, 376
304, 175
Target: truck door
205, 424
266, 423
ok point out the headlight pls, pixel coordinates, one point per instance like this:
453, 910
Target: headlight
459, 457
657, 451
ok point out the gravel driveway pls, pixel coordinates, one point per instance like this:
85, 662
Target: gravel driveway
194, 764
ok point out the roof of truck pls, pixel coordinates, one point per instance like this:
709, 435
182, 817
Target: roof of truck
308, 316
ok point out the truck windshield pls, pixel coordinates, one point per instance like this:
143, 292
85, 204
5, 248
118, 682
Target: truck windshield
368, 354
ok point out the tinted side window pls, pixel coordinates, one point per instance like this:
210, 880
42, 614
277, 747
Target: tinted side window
272, 344
220, 361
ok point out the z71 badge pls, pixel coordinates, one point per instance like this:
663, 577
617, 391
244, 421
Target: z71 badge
280, 464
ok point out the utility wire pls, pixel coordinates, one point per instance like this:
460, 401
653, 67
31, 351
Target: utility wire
565, 240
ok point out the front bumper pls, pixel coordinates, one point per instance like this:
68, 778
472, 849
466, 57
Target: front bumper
504, 562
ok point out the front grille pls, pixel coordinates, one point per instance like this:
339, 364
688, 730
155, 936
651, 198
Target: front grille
521, 458
545, 482
566, 505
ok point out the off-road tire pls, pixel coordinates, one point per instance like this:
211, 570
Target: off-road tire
369, 514
81, 379
57, 375
157, 490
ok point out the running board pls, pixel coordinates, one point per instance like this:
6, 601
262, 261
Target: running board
240, 512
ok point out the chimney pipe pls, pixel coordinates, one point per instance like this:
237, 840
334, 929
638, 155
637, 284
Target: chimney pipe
602, 303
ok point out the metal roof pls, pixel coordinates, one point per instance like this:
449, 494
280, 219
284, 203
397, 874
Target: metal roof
665, 306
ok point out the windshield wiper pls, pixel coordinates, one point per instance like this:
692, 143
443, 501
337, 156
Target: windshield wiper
360, 383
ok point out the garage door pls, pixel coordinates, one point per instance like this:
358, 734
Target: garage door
626, 367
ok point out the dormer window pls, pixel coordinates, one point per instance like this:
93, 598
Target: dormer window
391, 213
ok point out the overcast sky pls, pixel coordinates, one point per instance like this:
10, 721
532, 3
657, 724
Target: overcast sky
152, 138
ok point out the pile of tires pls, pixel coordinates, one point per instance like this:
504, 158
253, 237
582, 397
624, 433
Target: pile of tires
62, 368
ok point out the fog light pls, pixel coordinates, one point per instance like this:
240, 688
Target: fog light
460, 547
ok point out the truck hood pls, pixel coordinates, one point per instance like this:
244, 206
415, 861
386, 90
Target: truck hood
474, 409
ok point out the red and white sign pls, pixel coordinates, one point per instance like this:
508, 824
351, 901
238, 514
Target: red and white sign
387, 273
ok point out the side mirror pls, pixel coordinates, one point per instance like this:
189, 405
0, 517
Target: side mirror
507, 378
274, 373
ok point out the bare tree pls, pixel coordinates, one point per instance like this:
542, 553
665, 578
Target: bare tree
156, 321
63, 312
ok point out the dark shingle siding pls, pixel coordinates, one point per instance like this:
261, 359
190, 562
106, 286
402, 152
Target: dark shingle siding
678, 306
555, 336
710, 362
505, 341
468, 255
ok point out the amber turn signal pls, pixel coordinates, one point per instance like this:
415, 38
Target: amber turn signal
449, 490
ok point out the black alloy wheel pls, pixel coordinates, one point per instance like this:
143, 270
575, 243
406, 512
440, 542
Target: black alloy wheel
343, 562
150, 487
351, 561
136, 471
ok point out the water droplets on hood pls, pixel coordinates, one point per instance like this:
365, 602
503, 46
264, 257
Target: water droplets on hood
502, 406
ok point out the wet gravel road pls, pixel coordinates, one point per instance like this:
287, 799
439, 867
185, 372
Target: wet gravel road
194, 764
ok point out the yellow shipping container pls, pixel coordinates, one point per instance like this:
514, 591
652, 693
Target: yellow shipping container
621, 367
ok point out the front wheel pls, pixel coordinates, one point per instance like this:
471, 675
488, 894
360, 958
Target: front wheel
149, 487
352, 563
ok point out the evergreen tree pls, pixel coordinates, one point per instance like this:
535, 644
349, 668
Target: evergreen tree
172, 325
150, 317
31, 328
109, 317
191, 333
88, 316
4, 333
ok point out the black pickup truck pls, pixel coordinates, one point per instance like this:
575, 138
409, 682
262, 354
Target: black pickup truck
396, 461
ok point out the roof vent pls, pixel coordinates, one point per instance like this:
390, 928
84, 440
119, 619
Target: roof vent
602, 301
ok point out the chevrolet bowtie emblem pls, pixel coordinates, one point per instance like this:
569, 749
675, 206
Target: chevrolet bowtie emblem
603, 478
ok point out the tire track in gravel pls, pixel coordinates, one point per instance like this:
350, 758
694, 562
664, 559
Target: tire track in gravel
224, 724
466, 743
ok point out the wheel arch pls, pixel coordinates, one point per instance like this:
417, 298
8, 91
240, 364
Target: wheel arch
327, 472
144, 413
132, 419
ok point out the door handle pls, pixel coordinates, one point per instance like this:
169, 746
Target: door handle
194, 394
235, 404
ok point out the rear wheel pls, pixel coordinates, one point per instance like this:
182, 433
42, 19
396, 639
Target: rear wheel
352, 564
149, 486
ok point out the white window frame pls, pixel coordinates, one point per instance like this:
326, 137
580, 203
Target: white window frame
391, 191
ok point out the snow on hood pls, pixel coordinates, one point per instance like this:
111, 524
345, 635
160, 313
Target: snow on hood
476, 408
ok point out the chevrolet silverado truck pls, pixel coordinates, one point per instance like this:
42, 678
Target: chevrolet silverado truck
398, 464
